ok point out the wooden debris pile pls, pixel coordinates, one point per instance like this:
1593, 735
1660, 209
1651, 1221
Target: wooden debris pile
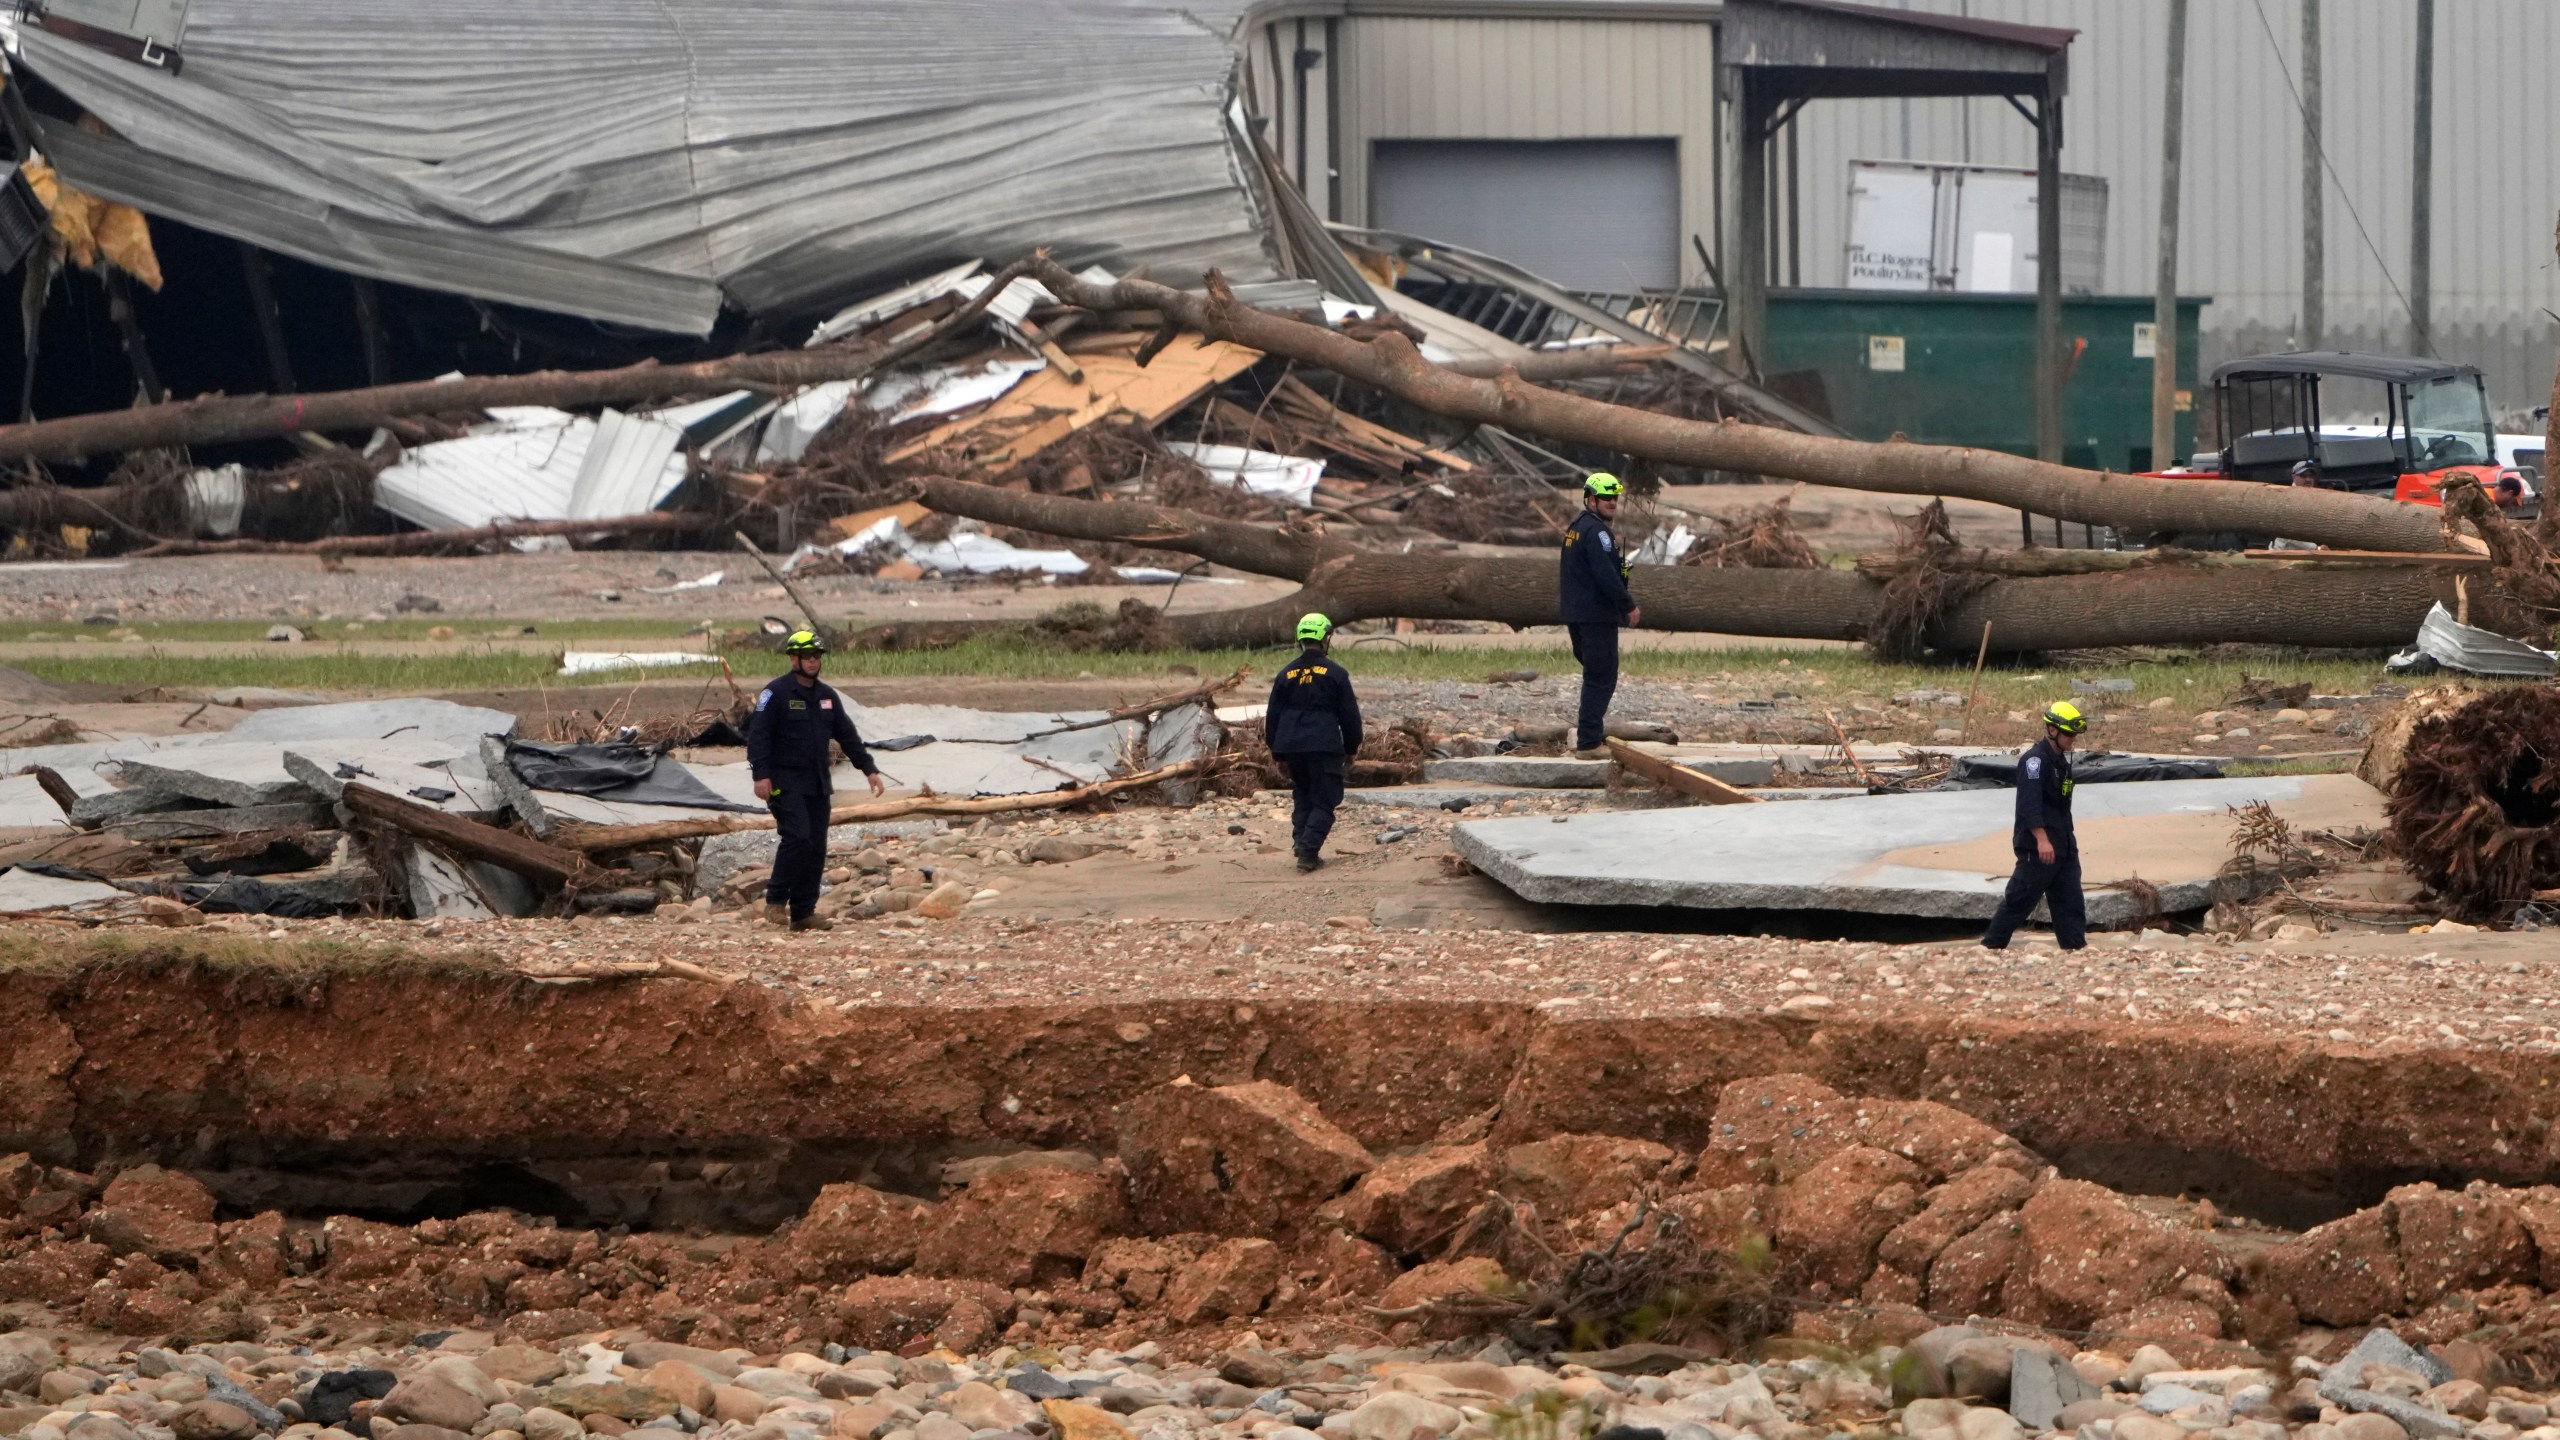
2473, 779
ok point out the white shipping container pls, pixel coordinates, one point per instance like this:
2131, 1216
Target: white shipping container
1919, 225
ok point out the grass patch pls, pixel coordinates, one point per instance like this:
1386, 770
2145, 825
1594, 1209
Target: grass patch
406, 627
2192, 681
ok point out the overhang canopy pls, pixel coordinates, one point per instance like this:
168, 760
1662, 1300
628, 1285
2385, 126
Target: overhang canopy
2390, 369
1835, 49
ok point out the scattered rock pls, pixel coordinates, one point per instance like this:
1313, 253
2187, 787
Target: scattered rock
1232, 1279
1250, 1159
1022, 1227
1410, 1201
945, 901
212, 1420
851, 1230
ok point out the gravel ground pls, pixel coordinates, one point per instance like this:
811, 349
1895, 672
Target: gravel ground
1176, 906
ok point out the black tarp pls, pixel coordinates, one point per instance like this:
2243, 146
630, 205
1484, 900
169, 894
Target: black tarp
634, 774
1980, 772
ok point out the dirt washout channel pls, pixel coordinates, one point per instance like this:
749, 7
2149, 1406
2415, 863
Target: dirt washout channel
407, 1087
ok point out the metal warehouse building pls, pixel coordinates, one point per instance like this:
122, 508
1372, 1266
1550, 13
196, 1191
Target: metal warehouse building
1582, 138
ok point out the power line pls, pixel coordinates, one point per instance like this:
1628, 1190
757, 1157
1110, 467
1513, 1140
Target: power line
2321, 147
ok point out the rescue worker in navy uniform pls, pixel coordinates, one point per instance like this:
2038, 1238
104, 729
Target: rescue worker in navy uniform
1313, 727
2048, 853
1592, 600
796, 719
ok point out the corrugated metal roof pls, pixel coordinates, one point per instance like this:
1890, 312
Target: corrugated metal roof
635, 161
522, 470
631, 467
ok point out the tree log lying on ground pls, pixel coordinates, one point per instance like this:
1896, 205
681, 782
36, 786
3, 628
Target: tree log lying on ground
2133, 503
472, 840
219, 419
2160, 604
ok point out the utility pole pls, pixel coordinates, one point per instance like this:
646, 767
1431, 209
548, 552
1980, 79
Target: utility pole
2164, 305
2422, 154
2314, 258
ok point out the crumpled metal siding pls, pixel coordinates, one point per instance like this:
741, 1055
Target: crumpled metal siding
638, 160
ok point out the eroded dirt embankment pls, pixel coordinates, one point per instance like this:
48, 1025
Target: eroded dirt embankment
403, 1086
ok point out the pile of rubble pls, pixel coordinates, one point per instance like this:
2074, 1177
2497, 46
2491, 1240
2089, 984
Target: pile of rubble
435, 810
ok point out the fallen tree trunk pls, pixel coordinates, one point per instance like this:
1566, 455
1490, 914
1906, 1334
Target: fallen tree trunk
2162, 604
566, 869
1389, 362
219, 419
1590, 362
429, 542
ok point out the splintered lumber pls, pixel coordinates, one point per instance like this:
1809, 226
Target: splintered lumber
1389, 362
1692, 783
219, 419
2154, 605
567, 869
595, 839
1051, 405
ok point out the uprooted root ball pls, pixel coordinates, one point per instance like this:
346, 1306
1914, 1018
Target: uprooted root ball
2475, 796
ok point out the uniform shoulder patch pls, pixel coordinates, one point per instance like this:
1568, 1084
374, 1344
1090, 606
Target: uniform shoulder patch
2035, 765
763, 698
1607, 540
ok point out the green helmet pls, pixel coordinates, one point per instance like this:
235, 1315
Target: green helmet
1604, 486
2064, 716
1314, 628
804, 642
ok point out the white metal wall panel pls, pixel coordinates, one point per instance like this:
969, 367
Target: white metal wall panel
1441, 78
2496, 184
1590, 214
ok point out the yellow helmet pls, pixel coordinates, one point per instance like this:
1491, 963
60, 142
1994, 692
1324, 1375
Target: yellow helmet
2064, 716
804, 642
1604, 486
1314, 626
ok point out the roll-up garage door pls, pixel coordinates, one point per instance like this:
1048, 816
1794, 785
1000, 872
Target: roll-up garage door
1589, 214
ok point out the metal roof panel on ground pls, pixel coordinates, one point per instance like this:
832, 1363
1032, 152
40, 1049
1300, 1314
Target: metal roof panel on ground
636, 162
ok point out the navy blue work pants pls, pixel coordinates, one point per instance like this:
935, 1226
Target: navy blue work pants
1315, 786
1595, 648
799, 806
2057, 884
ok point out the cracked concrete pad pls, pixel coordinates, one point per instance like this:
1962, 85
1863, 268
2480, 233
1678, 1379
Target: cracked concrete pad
323, 766
253, 772
24, 806
1536, 772
987, 752
457, 728
1940, 854
23, 890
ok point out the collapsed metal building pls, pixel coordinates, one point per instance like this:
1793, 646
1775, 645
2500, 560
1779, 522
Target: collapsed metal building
648, 165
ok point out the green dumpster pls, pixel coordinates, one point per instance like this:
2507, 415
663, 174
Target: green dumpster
1951, 369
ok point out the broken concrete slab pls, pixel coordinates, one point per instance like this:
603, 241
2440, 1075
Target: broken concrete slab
1439, 795
1534, 772
457, 728
441, 890
328, 768
23, 891
212, 822
253, 772
26, 807
997, 752
234, 774
97, 799
1179, 736
1939, 854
